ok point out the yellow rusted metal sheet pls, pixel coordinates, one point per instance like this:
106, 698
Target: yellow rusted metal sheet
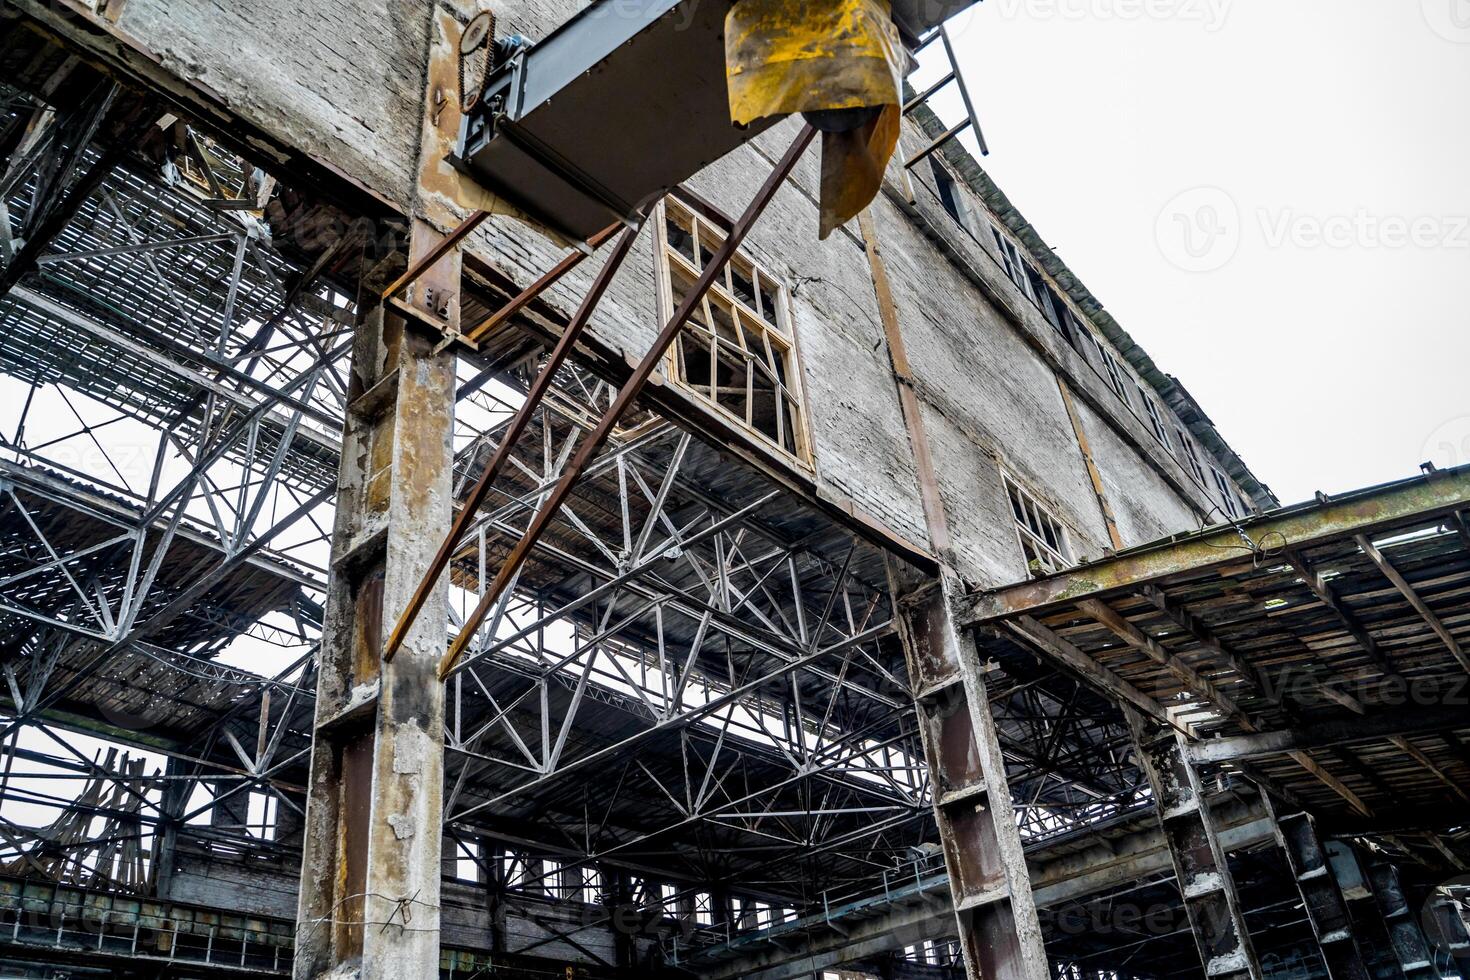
785, 58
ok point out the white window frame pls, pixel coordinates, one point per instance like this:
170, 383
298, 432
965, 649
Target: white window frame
1227, 494
1032, 530
1117, 376
1191, 454
1155, 417
776, 354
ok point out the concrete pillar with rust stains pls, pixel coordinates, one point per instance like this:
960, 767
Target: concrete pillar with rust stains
999, 930
372, 842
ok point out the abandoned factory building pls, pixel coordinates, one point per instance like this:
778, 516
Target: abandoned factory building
419, 552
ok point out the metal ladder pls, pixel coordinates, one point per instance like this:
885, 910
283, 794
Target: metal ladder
955, 77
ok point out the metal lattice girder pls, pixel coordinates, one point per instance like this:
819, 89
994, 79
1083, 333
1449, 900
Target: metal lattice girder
1332, 921
999, 931
1201, 865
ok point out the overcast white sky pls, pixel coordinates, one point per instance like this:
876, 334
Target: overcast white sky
1273, 198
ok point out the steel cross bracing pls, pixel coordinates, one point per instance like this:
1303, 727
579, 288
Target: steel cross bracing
168, 439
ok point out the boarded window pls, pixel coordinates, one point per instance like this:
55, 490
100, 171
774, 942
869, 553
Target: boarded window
1043, 538
737, 351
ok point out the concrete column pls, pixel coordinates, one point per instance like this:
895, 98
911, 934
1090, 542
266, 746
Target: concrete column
1200, 863
999, 931
370, 875
1327, 909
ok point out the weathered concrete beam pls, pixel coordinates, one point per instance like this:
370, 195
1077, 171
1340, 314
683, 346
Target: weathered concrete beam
1322, 898
1406, 934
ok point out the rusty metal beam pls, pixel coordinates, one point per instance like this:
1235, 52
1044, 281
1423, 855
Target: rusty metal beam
1054, 647
599, 435
528, 295
430, 258
1200, 862
1303, 526
999, 930
1322, 898
1206, 689
1414, 599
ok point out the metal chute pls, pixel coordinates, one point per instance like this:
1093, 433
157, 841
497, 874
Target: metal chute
841, 63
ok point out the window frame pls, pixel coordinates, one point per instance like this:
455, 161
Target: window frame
1191, 455
1011, 261
1051, 558
1231, 502
1118, 377
777, 334
1155, 417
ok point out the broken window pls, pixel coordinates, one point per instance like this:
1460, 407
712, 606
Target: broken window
949, 193
1155, 417
737, 351
1043, 538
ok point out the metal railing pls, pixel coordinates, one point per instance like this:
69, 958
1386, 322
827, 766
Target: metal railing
908, 881
71, 920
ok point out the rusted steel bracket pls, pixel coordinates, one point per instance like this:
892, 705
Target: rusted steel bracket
513, 433
599, 435
431, 258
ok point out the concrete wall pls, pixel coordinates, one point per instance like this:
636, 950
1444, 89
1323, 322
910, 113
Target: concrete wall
341, 81
270, 890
